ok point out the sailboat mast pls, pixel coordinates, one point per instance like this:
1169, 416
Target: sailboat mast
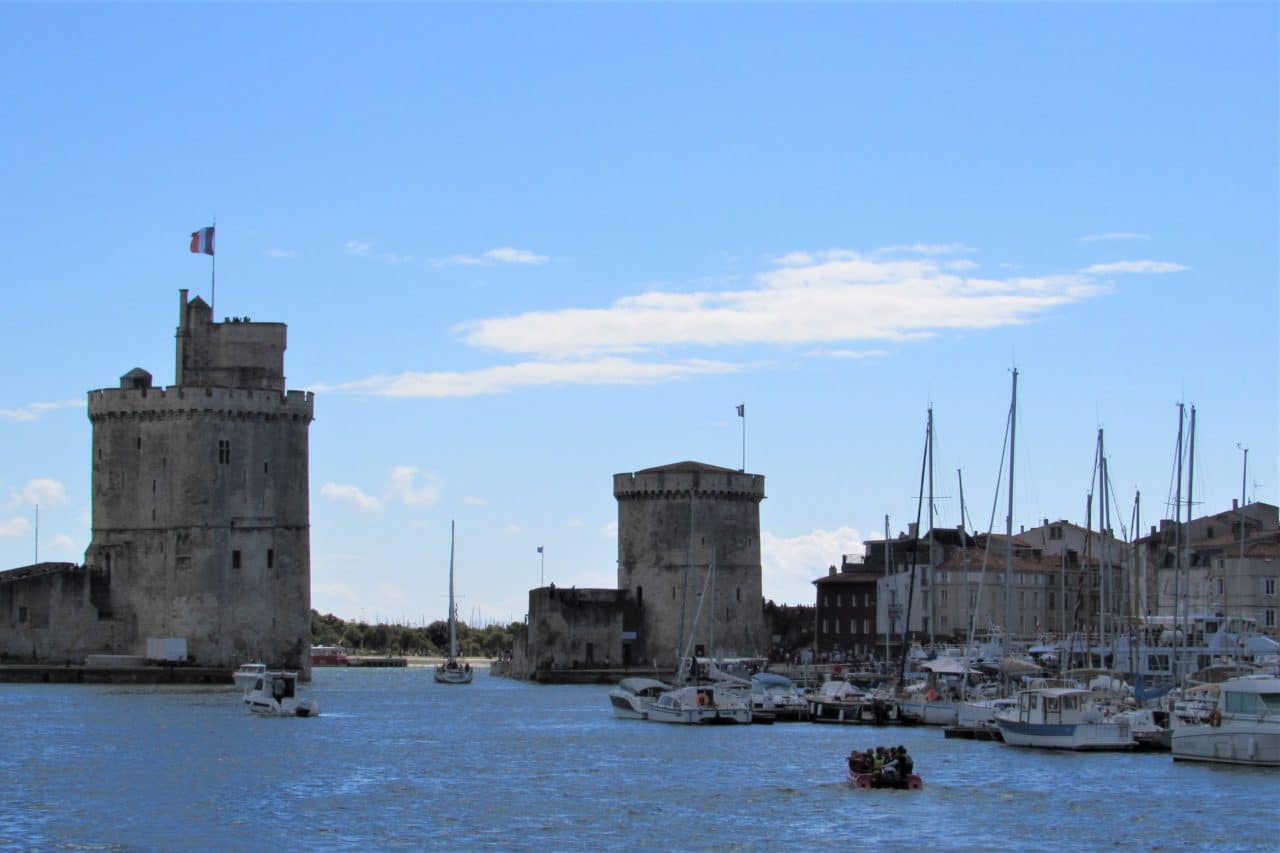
1102, 545
931, 593
1177, 554
1008, 522
1186, 540
453, 635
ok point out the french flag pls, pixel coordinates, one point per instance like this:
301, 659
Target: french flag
202, 241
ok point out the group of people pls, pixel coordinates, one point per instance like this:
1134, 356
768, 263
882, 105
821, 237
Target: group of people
890, 764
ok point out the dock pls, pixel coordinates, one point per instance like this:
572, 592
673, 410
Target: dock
378, 662
146, 674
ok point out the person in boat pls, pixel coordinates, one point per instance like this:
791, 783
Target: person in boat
878, 762
905, 765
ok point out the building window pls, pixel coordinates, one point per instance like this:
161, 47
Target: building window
866, 626
866, 599
835, 626
640, 596
22, 614
826, 600
235, 559
271, 558
1219, 586
266, 467
837, 599
824, 624
224, 451
737, 591
673, 593
139, 442
942, 598
1269, 586
1055, 532
1269, 617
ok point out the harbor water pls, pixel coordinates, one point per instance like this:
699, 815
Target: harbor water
397, 761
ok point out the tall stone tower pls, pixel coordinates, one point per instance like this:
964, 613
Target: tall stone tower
201, 509
672, 521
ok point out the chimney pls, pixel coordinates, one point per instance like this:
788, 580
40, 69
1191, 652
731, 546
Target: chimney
831, 571
1235, 504
913, 529
1046, 522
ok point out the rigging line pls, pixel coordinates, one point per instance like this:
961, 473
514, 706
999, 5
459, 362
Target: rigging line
991, 525
915, 551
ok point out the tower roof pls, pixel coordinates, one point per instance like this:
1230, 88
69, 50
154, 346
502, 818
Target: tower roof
688, 467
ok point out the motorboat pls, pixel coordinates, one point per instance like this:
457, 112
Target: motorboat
632, 697
1149, 728
451, 670
1061, 718
778, 695
1243, 727
897, 774
700, 704
329, 656
248, 674
838, 701
275, 694
981, 713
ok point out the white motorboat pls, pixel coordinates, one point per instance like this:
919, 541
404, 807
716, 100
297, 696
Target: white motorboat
1243, 728
248, 674
982, 712
632, 697
453, 671
838, 701
1061, 718
275, 694
778, 695
701, 704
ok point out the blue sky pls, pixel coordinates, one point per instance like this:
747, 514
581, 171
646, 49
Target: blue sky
523, 248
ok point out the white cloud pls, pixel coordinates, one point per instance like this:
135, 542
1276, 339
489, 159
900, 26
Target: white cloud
40, 491
509, 255
511, 530
403, 486
493, 257
848, 353
961, 265
1114, 235
498, 380
473, 501
15, 526
576, 522
791, 565
31, 411
281, 253
1134, 267
837, 296
62, 545
926, 249
352, 495
357, 247
610, 530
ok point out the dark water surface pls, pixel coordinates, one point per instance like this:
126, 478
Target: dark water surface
397, 761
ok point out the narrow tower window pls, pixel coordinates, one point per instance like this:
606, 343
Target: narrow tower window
235, 559
271, 558
224, 451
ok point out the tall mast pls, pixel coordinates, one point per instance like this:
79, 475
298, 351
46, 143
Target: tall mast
964, 556
888, 560
1177, 552
1186, 540
932, 593
453, 635
1008, 522
1102, 543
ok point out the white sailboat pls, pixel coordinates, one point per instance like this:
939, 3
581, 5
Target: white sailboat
452, 671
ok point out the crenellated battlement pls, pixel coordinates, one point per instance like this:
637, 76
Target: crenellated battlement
674, 483
178, 401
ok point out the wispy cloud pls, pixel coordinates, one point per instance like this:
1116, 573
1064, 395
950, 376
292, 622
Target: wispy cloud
493, 257
31, 411
1114, 235
280, 253
41, 491
833, 302
830, 297
511, 530
14, 526
404, 486
926, 249
352, 495
1146, 267
507, 378
357, 247
474, 501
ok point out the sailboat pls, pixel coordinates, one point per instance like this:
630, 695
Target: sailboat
451, 671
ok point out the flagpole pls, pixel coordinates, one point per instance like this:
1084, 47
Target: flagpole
743, 409
213, 272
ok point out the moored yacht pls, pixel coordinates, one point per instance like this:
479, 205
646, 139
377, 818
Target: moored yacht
1243, 728
632, 697
699, 704
1061, 718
